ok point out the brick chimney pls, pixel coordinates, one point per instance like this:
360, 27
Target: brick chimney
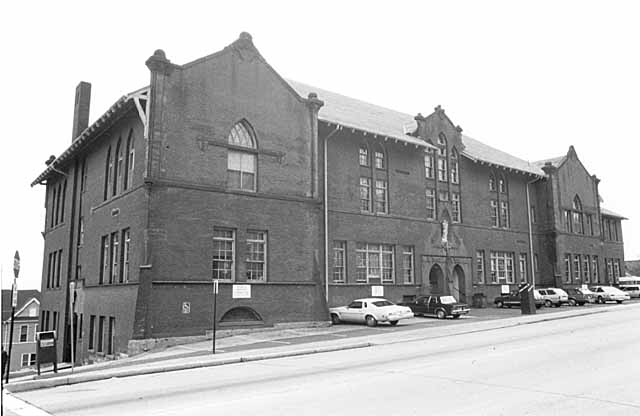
81, 109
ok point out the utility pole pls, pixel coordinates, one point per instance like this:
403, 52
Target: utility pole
14, 302
215, 298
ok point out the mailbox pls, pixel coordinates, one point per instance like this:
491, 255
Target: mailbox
46, 348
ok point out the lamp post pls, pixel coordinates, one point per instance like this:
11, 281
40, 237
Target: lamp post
14, 302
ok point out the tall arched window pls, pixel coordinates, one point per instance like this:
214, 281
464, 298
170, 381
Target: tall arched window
108, 177
241, 162
455, 174
502, 185
442, 158
363, 155
492, 182
128, 176
119, 168
578, 224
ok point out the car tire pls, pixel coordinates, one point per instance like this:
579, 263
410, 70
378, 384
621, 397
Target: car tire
456, 316
572, 302
335, 319
557, 305
619, 301
538, 306
581, 303
600, 299
393, 323
371, 321
441, 314
499, 304
547, 303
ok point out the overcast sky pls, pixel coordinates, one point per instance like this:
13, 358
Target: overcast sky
530, 78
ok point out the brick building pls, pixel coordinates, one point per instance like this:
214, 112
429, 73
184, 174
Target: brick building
217, 169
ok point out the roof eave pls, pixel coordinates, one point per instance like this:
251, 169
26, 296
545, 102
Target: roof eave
482, 161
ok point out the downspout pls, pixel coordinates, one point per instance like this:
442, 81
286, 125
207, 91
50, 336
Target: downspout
532, 263
326, 214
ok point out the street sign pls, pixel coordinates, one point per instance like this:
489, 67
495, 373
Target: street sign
215, 286
241, 292
377, 290
16, 264
14, 295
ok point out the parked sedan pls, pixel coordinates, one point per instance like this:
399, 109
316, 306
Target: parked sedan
580, 296
513, 299
439, 306
609, 293
370, 311
553, 296
632, 290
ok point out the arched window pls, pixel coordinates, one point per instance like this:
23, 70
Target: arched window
442, 158
502, 185
108, 177
241, 166
455, 175
578, 224
130, 162
119, 168
363, 155
492, 182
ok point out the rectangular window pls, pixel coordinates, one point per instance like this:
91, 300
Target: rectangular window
256, 261
567, 220
615, 230
223, 254
442, 169
428, 165
374, 261
577, 222
494, 213
130, 164
241, 170
126, 256
522, 262
589, 224
112, 335
104, 259
567, 268
502, 267
616, 269
586, 267
363, 156
24, 332
24, 361
454, 172
431, 204
480, 266
504, 214
609, 270
379, 158
407, 264
101, 334
339, 250
365, 194
92, 326
455, 207
381, 196
595, 269
49, 268
361, 262
577, 273
114, 256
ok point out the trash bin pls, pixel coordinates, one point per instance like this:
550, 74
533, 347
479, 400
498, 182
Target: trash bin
479, 300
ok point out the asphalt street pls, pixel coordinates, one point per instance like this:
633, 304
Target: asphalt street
582, 365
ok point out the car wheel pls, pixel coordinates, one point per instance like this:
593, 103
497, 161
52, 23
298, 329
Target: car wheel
499, 304
440, 314
547, 303
581, 303
371, 321
335, 319
619, 301
600, 299
556, 305
456, 316
393, 323
572, 302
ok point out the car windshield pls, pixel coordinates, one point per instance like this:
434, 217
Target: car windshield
447, 300
381, 303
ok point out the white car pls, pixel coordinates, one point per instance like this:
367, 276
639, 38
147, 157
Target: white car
370, 311
632, 290
609, 293
553, 296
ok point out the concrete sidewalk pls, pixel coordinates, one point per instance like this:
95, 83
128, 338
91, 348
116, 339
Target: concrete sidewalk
324, 340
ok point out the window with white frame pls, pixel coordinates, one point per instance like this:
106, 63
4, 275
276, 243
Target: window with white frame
130, 163
595, 269
480, 266
504, 214
492, 183
115, 258
363, 155
365, 194
455, 175
502, 185
256, 261
428, 164
24, 333
241, 164
126, 256
431, 204
381, 196
502, 269
494, 213
374, 261
442, 169
455, 207
577, 273
567, 268
609, 270
104, 259
339, 256
578, 224
616, 269
28, 359
586, 266
407, 264
522, 263
379, 160
223, 254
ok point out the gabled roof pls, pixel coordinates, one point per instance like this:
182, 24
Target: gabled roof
554, 161
609, 213
370, 118
480, 152
24, 296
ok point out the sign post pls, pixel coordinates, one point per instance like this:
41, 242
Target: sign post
72, 295
215, 296
14, 303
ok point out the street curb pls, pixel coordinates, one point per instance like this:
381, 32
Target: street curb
83, 378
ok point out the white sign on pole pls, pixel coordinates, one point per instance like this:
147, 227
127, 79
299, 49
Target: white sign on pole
377, 290
505, 289
14, 293
241, 292
215, 286
186, 307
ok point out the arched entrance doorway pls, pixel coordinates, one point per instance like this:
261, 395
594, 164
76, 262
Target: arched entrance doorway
436, 280
459, 287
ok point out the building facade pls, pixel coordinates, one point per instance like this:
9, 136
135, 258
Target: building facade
26, 321
295, 199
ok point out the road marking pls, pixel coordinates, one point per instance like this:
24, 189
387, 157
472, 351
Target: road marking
278, 342
338, 335
19, 407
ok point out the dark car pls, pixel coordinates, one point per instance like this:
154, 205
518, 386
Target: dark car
513, 299
439, 306
579, 296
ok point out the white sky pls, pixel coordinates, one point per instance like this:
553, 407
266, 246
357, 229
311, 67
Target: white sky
530, 79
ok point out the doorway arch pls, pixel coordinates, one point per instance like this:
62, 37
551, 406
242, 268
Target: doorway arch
459, 286
436, 279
